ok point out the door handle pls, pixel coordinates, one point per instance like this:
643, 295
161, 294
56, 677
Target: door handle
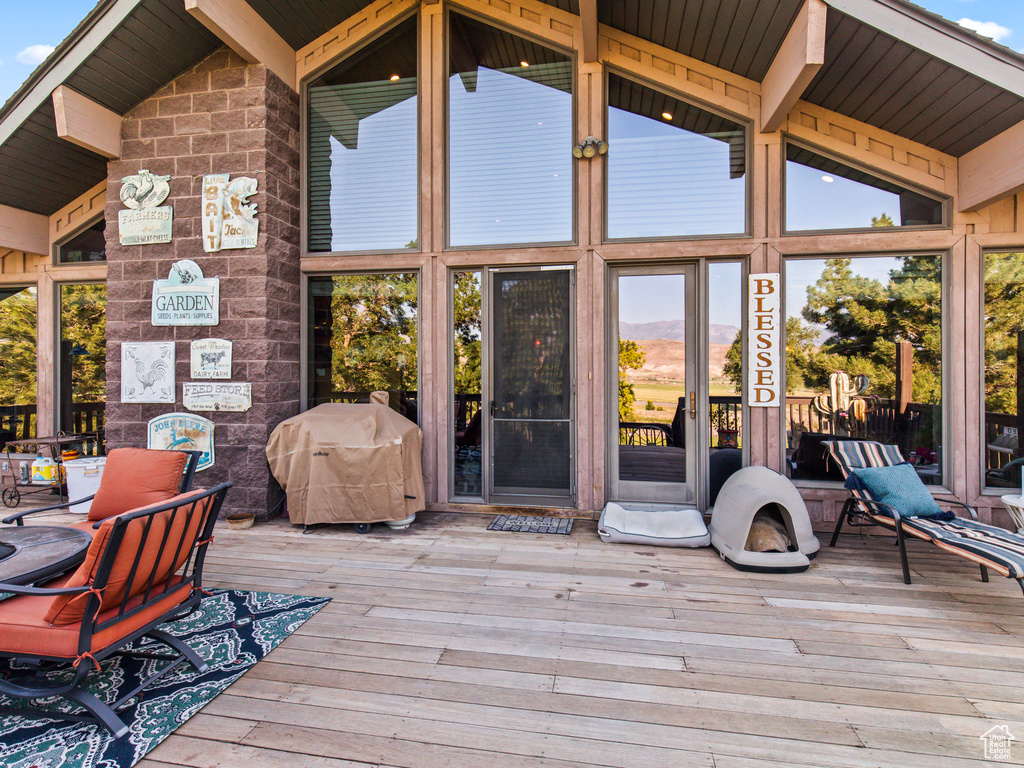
693, 405
493, 408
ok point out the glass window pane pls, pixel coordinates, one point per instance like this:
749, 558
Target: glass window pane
822, 193
674, 170
467, 417
510, 169
18, 321
364, 338
725, 352
363, 149
88, 245
1004, 361
864, 359
83, 357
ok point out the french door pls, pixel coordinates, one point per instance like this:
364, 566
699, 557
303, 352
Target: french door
654, 398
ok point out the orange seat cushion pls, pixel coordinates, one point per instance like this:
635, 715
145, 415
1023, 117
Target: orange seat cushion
164, 552
24, 629
137, 477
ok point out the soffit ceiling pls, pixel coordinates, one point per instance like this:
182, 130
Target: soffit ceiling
867, 75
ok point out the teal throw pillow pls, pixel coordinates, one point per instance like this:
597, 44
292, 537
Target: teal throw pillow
900, 488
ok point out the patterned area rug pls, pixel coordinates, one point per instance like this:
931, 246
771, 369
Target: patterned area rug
230, 630
531, 524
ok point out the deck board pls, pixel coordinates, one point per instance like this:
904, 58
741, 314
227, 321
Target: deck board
448, 645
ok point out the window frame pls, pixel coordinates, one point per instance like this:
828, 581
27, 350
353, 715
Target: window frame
945, 200
421, 118
984, 489
573, 57
306, 328
748, 127
69, 236
945, 264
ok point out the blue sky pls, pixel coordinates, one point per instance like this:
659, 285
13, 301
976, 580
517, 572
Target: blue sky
30, 27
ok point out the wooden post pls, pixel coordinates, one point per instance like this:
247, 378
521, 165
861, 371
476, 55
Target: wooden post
1020, 394
904, 392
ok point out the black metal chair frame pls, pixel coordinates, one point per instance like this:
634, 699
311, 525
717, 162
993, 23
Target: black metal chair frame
183, 487
189, 577
861, 518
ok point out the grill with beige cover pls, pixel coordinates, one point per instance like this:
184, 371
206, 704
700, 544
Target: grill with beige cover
349, 463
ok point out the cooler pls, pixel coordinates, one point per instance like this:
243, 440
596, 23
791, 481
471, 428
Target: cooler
83, 476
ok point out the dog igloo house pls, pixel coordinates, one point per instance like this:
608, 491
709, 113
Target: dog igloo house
763, 501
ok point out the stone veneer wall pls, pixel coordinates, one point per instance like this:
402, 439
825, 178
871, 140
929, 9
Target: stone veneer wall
222, 116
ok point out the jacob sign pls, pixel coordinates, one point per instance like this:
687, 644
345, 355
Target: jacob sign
229, 219
763, 339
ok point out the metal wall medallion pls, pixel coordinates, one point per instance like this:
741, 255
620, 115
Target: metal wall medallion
186, 297
183, 432
211, 359
217, 396
147, 372
228, 217
145, 221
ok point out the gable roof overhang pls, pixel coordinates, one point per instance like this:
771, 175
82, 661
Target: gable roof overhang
887, 63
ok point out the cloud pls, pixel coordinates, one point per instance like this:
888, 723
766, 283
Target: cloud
34, 54
987, 28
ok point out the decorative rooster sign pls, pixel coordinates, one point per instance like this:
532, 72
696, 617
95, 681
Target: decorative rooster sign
145, 221
147, 372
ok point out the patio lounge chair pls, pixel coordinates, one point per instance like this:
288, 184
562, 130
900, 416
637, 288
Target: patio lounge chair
143, 568
132, 478
988, 546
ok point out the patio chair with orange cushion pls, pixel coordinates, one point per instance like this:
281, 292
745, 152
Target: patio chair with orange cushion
886, 491
132, 478
142, 569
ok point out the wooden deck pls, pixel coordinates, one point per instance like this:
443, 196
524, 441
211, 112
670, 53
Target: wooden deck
449, 645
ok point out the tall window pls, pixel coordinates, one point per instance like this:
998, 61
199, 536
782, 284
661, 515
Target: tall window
725, 352
363, 158
1004, 369
864, 359
18, 351
822, 193
365, 337
510, 174
674, 170
87, 246
83, 358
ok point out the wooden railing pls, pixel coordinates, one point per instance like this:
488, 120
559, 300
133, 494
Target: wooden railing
19, 422
881, 422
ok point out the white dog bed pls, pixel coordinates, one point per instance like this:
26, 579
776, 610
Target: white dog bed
641, 524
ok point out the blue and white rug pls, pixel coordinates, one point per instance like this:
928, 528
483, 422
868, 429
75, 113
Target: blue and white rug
230, 630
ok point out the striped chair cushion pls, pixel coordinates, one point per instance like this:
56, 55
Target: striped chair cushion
987, 545
858, 454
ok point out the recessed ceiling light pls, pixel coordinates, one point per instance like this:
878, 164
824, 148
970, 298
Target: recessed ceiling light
524, 63
827, 179
394, 77
666, 115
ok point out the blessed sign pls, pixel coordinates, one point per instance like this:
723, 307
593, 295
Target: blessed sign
763, 337
186, 297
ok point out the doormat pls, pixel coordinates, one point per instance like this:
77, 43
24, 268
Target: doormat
230, 630
531, 524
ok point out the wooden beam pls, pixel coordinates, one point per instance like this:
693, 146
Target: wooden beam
588, 19
24, 231
82, 121
799, 58
992, 171
941, 39
247, 34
